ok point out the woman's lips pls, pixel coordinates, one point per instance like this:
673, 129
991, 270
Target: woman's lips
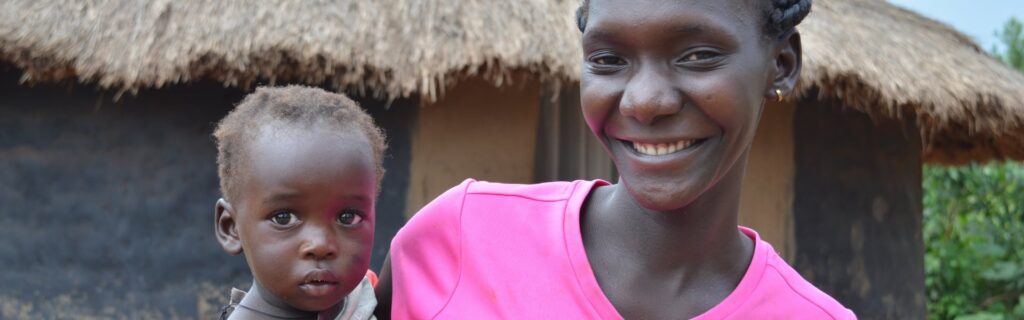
662, 148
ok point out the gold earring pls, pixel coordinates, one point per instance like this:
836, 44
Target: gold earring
778, 94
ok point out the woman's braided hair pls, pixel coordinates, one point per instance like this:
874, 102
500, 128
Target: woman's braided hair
780, 16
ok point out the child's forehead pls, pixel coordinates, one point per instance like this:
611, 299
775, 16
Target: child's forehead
319, 141
308, 161
318, 147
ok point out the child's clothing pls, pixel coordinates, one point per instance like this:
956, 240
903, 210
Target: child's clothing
358, 305
501, 251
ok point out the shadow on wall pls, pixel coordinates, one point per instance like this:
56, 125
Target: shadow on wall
106, 208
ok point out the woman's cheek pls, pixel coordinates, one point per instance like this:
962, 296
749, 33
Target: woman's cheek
598, 100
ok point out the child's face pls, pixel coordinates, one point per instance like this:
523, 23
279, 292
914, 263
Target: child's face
674, 90
305, 213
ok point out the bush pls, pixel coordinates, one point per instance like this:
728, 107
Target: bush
974, 240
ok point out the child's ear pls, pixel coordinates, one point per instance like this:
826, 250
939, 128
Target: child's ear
788, 62
224, 223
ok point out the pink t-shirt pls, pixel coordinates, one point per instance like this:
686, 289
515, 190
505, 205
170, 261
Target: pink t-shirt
502, 251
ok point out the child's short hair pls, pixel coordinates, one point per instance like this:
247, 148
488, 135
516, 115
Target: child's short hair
299, 105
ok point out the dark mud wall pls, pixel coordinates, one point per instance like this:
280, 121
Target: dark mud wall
106, 207
857, 209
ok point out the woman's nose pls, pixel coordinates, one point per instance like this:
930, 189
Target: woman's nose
650, 95
319, 243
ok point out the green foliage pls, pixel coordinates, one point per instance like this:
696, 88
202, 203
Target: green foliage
1012, 37
973, 227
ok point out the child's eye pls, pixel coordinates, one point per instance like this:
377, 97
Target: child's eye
349, 217
284, 218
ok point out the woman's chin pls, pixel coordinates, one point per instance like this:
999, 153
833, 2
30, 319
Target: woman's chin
661, 198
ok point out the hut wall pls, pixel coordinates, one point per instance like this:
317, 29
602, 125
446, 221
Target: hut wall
476, 131
766, 202
857, 209
106, 207
566, 148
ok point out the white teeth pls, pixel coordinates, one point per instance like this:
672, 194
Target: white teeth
661, 148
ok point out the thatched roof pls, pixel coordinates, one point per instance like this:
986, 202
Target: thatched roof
388, 48
878, 58
892, 62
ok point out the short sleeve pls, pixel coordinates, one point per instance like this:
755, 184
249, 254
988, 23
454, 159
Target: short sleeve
425, 257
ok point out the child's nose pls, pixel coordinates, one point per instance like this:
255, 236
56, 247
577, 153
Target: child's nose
650, 95
319, 243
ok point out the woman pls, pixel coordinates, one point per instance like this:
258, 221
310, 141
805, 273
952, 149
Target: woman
674, 90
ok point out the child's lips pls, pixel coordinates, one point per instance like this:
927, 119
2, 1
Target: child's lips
318, 289
319, 283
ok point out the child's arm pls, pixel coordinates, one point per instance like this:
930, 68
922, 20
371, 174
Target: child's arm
383, 291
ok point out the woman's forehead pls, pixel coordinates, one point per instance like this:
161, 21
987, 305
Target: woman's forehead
685, 15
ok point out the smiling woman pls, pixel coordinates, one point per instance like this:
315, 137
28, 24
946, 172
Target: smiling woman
674, 92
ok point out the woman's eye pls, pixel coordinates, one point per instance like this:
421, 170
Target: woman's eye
349, 218
284, 218
700, 56
602, 59
609, 61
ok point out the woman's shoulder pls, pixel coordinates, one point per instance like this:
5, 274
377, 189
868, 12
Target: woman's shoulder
546, 191
480, 226
482, 197
791, 292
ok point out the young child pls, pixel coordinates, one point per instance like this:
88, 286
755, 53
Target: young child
674, 90
299, 170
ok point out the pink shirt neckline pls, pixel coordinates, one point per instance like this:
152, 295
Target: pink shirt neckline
599, 301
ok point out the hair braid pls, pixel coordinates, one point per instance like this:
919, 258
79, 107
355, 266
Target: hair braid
785, 15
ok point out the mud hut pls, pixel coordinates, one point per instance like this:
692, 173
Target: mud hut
106, 109
108, 174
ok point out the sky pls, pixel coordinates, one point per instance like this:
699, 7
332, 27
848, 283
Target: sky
979, 19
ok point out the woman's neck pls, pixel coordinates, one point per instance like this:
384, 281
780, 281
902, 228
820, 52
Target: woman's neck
701, 237
682, 262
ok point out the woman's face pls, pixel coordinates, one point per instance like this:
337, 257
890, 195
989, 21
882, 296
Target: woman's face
674, 90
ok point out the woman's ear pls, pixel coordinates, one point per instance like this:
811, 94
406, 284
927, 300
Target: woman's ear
788, 61
224, 223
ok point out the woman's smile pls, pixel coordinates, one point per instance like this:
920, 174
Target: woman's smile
663, 148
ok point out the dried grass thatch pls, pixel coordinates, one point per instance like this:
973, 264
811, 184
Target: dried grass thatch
877, 58
891, 62
386, 48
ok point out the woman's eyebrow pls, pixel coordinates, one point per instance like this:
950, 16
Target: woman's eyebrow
599, 35
681, 30
700, 29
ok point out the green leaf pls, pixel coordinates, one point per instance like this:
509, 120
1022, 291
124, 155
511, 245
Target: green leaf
1003, 271
981, 316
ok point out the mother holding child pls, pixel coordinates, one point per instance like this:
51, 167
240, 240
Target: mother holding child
674, 91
